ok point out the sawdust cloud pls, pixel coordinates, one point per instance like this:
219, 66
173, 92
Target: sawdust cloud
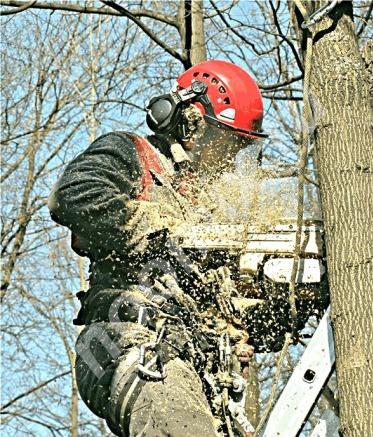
244, 196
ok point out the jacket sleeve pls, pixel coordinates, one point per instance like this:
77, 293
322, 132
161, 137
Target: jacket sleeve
90, 197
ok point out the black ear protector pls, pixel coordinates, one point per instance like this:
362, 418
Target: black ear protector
164, 112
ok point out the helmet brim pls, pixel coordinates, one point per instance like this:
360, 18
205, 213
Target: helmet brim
247, 133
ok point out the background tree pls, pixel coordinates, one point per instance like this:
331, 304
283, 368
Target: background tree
55, 92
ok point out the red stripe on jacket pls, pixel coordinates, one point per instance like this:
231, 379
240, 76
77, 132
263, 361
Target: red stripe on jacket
149, 161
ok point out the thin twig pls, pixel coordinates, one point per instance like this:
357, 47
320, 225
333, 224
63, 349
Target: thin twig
277, 376
126, 13
34, 389
75, 7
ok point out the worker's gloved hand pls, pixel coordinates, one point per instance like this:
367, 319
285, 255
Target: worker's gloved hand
148, 220
168, 287
244, 352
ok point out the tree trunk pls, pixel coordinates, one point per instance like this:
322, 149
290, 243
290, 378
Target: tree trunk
252, 406
198, 48
192, 33
339, 89
74, 409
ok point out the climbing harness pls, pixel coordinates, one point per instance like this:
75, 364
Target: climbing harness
143, 367
229, 391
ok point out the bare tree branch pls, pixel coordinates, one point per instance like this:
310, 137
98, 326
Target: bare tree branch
34, 389
285, 38
51, 428
280, 84
122, 102
221, 9
71, 7
126, 13
242, 37
20, 9
289, 98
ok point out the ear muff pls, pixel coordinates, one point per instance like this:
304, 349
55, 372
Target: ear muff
163, 114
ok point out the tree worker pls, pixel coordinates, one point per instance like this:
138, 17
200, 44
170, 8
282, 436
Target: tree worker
147, 343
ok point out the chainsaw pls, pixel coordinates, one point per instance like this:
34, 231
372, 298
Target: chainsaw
260, 260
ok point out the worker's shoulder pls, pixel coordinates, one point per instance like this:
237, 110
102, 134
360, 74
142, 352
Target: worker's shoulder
112, 151
114, 144
125, 141
120, 147
115, 138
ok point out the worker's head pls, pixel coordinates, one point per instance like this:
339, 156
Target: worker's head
214, 110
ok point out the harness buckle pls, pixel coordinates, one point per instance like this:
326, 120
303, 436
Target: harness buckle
143, 367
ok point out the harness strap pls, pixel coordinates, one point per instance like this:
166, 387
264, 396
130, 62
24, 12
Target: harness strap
127, 399
149, 161
130, 393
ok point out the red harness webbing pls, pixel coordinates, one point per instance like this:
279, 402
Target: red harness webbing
149, 161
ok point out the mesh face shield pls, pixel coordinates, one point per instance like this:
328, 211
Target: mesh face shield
213, 143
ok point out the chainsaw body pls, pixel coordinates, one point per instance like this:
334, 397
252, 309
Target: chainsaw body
261, 260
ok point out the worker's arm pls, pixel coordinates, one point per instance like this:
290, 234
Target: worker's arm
90, 197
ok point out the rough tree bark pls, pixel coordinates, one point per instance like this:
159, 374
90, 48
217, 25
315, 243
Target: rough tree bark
198, 47
340, 92
192, 33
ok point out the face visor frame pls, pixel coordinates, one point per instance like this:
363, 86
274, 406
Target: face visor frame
224, 143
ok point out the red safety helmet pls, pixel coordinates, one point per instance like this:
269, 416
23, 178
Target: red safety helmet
235, 100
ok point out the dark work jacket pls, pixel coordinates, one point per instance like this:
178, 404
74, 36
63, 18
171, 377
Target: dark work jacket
90, 198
